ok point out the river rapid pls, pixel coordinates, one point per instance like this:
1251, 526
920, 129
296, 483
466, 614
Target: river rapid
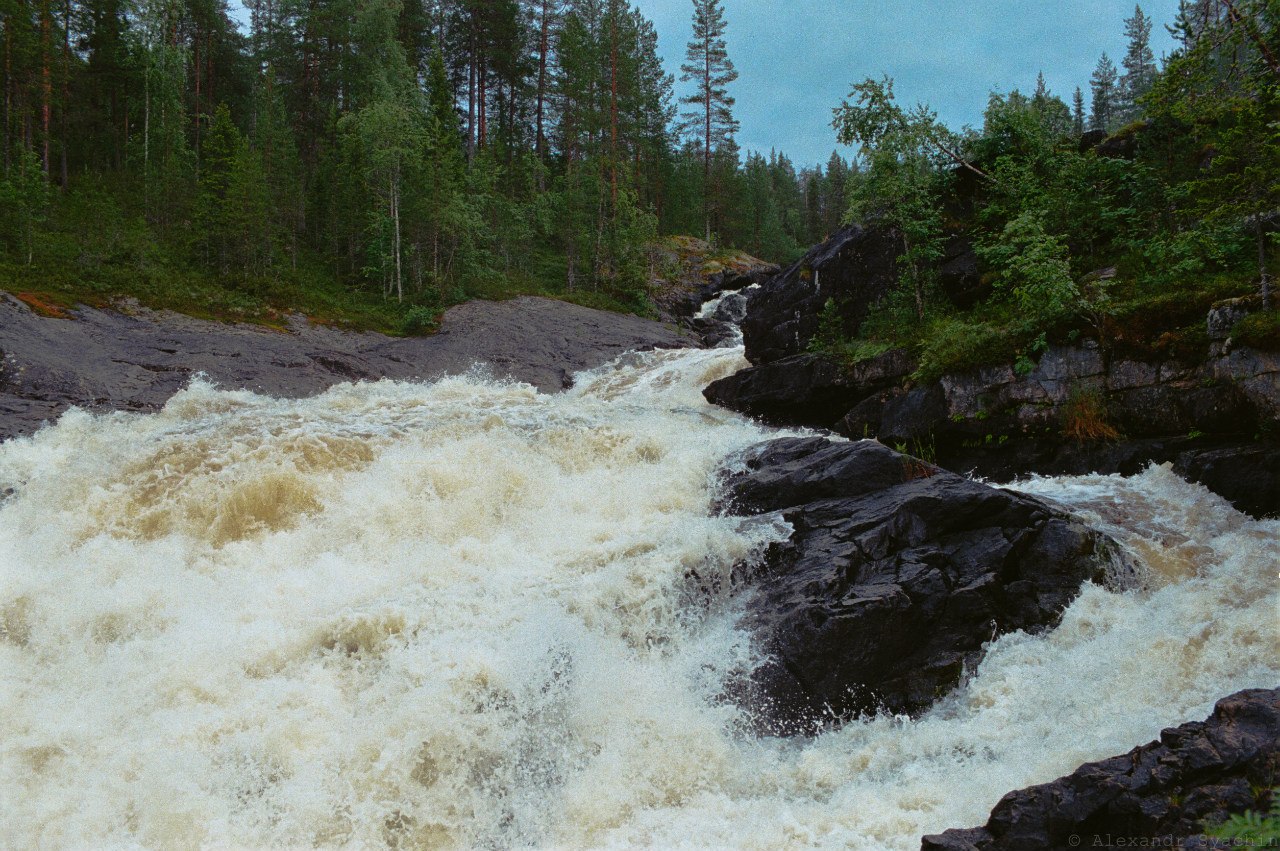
459, 614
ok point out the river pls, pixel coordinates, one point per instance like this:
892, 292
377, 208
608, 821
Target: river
456, 615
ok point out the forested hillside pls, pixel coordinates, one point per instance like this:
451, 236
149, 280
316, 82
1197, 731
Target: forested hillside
372, 160
1123, 222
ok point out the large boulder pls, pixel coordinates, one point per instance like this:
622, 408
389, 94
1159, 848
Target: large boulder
895, 577
1160, 795
854, 268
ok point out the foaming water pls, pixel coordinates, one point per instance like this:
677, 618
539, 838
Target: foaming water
462, 615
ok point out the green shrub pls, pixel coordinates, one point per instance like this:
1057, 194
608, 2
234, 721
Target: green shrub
958, 345
1253, 829
419, 321
1259, 330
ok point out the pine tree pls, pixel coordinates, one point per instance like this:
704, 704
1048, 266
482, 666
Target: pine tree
707, 64
1077, 112
1103, 84
1139, 66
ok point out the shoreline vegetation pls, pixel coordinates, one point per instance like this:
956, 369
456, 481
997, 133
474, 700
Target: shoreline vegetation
457, 150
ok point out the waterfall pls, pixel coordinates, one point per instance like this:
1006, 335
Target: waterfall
465, 614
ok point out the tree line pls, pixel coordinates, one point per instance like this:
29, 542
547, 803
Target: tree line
1075, 231
412, 148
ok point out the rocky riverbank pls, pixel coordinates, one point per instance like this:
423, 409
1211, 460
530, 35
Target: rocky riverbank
135, 359
1072, 409
1159, 795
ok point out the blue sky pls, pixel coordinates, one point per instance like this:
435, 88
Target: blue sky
797, 58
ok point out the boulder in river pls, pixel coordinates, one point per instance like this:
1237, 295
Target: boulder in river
895, 577
1159, 795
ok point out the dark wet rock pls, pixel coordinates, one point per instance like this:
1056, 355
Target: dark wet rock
1244, 472
1181, 407
913, 415
1002, 422
1246, 475
807, 389
680, 296
1256, 373
1159, 795
108, 360
732, 308
1124, 144
714, 333
895, 577
854, 268
690, 302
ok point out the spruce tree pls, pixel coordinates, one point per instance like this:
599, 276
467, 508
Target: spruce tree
1139, 66
1077, 112
1103, 83
708, 66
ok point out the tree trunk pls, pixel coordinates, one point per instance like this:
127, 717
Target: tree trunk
544, 44
613, 110
66, 88
706, 150
395, 217
8, 94
471, 99
1263, 274
146, 138
482, 108
46, 78
196, 110
1240, 20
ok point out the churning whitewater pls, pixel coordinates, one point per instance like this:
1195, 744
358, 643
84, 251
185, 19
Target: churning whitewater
460, 615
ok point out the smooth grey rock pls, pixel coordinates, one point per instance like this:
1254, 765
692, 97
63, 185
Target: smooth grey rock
106, 360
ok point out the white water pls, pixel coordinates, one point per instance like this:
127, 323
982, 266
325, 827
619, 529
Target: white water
457, 615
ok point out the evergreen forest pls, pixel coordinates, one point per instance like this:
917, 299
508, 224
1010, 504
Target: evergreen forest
372, 161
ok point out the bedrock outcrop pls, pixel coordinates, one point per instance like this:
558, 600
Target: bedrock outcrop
106, 360
1159, 795
1211, 417
896, 575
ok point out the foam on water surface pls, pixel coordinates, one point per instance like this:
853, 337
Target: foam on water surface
463, 615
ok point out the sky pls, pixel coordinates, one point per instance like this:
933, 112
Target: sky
797, 59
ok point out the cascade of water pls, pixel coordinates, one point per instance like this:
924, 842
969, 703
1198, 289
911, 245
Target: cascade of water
459, 614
